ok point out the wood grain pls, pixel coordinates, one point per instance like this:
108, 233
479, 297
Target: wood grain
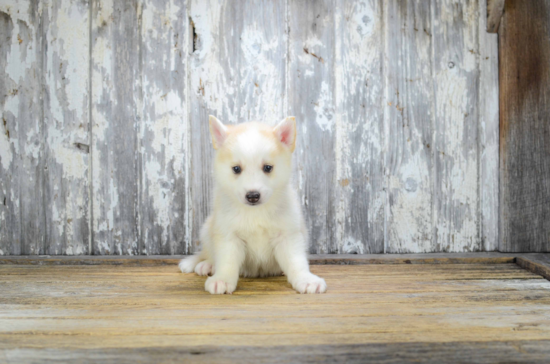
495, 9
488, 134
163, 130
66, 127
536, 263
22, 220
105, 311
311, 99
456, 116
524, 38
359, 88
115, 116
409, 119
10, 238
525, 351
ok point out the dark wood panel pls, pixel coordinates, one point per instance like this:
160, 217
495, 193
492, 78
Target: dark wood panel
524, 53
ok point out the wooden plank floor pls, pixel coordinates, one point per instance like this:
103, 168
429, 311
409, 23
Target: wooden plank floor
392, 313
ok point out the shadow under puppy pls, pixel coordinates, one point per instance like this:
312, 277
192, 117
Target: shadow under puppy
256, 228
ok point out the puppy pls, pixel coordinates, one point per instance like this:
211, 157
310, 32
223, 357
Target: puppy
256, 228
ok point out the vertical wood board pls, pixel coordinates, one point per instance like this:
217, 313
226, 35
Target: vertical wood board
488, 134
409, 122
456, 79
311, 99
22, 221
10, 222
359, 88
524, 56
116, 99
163, 130
66, 126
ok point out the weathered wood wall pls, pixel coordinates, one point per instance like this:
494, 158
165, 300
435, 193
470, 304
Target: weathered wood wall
105, 146
525, 126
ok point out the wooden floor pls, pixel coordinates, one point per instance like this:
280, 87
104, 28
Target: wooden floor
392, 313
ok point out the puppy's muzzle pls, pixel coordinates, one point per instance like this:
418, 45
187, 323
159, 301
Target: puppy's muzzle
253, 197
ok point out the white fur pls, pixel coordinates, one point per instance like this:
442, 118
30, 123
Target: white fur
260, 240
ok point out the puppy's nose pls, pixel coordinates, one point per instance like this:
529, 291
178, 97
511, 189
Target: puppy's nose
253, 196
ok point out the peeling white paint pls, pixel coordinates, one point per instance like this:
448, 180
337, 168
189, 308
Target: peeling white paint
160, 194
74, 162
57, 220
410, 233
6, 156
324, 108
376, 85
19, 65
75, 37
352, 246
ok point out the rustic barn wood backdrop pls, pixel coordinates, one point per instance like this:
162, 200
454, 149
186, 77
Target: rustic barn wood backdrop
105, 149
525, 126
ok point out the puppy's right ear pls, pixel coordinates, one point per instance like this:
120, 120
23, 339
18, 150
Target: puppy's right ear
218, 131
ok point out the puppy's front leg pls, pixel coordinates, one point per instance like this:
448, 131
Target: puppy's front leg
228, 258
292, 259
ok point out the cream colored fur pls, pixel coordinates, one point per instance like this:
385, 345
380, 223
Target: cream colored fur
265, 239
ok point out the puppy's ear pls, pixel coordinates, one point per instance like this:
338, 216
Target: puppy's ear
218, 131
286, 132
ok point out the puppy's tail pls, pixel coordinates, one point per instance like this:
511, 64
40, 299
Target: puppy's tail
188, 264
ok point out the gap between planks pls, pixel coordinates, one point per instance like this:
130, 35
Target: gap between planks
537, 263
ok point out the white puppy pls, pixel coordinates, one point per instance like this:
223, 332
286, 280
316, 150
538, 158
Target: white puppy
256, 228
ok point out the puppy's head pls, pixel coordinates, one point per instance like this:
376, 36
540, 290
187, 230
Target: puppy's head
253, 160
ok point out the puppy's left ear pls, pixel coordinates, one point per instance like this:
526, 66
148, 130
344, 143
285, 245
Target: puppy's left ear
285, 132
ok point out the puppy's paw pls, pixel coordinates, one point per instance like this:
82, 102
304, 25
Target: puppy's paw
309, 283
204, 268
187, 265
219, 285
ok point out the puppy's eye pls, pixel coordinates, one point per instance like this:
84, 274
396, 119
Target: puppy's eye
267, 168
237, 170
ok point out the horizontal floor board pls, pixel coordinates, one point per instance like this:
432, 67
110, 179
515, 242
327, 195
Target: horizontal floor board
93, 309
525, 351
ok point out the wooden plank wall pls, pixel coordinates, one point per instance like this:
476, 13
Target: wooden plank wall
22, 229
105, 146
524, 35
